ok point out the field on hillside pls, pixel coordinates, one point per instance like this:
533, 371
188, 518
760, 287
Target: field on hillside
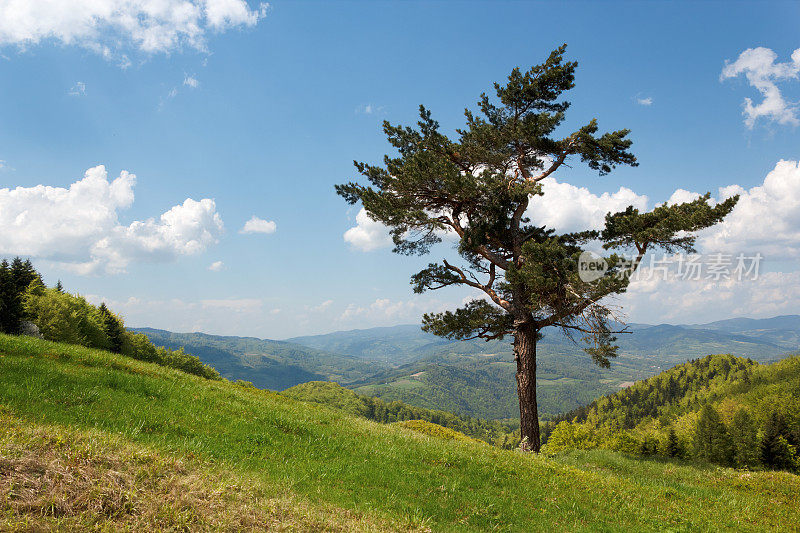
134, 436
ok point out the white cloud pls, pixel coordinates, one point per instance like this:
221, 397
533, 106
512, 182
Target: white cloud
369, 109
259, 225
570, 208
685, 301
645, 101
766, 219
216, 266
367, 234
111, 27
79, 89
78, 227
223, 14
762, 72
191, 81
322, 307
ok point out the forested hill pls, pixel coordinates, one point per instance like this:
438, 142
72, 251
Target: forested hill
672, 392
720, 408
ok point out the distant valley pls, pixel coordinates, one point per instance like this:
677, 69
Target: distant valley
476, 378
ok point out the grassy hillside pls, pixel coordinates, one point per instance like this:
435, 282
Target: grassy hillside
137, 438
337, 397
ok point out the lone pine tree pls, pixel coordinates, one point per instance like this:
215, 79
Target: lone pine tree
478, 188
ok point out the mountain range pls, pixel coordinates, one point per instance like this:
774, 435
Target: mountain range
476, 378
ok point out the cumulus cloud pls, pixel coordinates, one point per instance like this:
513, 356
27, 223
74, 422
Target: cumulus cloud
678, 300
78, 226
766, 219
762, 72
216, 266
570, 208
367, 234
112, 27
645, 101
259, 225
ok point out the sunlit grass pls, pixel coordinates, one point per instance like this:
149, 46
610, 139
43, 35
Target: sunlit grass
372, 473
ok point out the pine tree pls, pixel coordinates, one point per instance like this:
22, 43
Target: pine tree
59, 287
16, 277
113, 328
776, 452
712, 442
745, 439
479, 187
673, 446
6, 304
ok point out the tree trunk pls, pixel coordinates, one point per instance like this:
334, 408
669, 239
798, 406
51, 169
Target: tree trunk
525, 355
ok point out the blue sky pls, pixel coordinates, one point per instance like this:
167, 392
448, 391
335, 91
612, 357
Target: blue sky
262, 110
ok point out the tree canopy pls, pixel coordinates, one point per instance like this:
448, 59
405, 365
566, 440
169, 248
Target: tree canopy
478, 186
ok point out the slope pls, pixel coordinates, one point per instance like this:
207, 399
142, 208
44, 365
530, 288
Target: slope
368, 471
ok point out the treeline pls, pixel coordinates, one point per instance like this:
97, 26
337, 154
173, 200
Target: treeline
720, 409
29, 307
333, 395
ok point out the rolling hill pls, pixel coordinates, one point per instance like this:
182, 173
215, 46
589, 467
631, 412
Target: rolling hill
673, 401
476, 378
268, 364
94, 440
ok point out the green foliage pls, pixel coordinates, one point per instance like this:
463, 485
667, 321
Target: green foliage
672, 448
744, 434
776, 450
712, 442
113, 328
68, 318
63, 317
714, 407
15, 278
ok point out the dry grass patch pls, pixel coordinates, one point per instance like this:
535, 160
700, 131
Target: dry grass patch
52, 479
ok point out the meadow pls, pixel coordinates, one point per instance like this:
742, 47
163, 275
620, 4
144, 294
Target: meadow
176, 445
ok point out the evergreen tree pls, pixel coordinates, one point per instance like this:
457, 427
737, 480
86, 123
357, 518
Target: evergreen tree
113, 329
712, 442
14, 280
673, 446
478, 188
776, 452
6, 304
59, 287
745, 439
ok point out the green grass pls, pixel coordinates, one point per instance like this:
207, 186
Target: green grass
384, 476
